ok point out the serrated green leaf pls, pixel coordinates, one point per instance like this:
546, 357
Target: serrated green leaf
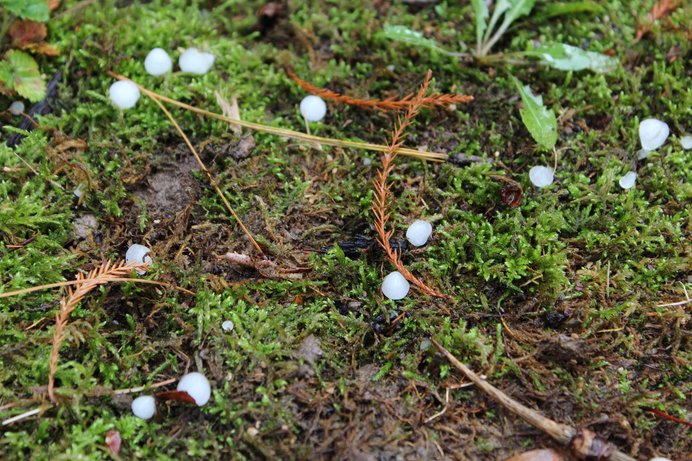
539, 120
480, 13
566, 57
19, 72
36, 10
405, 35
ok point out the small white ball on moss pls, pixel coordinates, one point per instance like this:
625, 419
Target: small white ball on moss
124, 94
16, 108
686, 142
197, 386
653, 133
313, 108
395, 286
158, 62
628, 180
227, 325
196, 62
138, 253
144, 407
541, 176
419, 232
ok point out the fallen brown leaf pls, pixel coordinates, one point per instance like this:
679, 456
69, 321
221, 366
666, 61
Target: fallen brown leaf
659, 10
24, 32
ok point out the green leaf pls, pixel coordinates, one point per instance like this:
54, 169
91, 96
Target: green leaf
405, 35
19, 72
36, 10
517, 8
562, 8
480, 13
566, 57
539, 120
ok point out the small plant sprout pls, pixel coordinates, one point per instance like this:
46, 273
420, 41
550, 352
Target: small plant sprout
313, 108
144, 407
197, 386
419, 232
395, 286
138, 253
541, 176
124, 94
686, 142
16, 108
628, 180
196, 62
653, 133
158, 62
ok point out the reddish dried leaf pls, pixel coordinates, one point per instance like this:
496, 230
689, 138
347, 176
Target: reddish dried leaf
658, 11
24, 32
176, 396
113, 441
53, 4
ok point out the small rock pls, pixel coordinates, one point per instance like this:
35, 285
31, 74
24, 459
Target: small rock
85, 225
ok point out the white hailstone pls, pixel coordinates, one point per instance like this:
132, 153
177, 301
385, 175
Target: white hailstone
227, 325
628, 180
197, 386
653, 133
419, 232
196, 62
659, 458
395, 286
138, 253
686, 142
158, 62
313, 108
367, 161
16, 108
144, 407
124, 94
541, 176
643, 153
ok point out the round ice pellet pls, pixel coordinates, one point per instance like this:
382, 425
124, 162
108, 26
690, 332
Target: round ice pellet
628, 180
541, 176
196, 62
313, 108
197, 386
158, 62
395, 286
124, 94
653, 133
419, 232
144, 407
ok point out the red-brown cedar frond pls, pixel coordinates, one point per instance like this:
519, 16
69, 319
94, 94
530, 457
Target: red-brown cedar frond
105, 273
658, 11
389, 104
383, 196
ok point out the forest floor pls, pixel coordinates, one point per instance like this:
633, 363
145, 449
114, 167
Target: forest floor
571, 298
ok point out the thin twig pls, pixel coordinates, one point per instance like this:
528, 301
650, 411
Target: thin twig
383, 195
105, 273
208, 174
430, 156
564, 434
389, 104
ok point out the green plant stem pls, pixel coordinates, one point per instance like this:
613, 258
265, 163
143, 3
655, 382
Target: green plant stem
489, 44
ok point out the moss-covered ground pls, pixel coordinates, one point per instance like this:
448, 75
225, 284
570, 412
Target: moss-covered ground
569, 302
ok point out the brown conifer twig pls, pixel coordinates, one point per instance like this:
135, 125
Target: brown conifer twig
389, 104
105, 273
583, 443
383, 195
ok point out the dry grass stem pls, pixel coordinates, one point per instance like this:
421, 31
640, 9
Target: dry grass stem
383, 196
389, 104
77, 282
430, 156
209, 176
103, 274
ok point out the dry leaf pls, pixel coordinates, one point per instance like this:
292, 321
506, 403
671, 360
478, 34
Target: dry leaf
43, 48
24, 32
53, 4
230, 109
658, 11
113, 441
537, 455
